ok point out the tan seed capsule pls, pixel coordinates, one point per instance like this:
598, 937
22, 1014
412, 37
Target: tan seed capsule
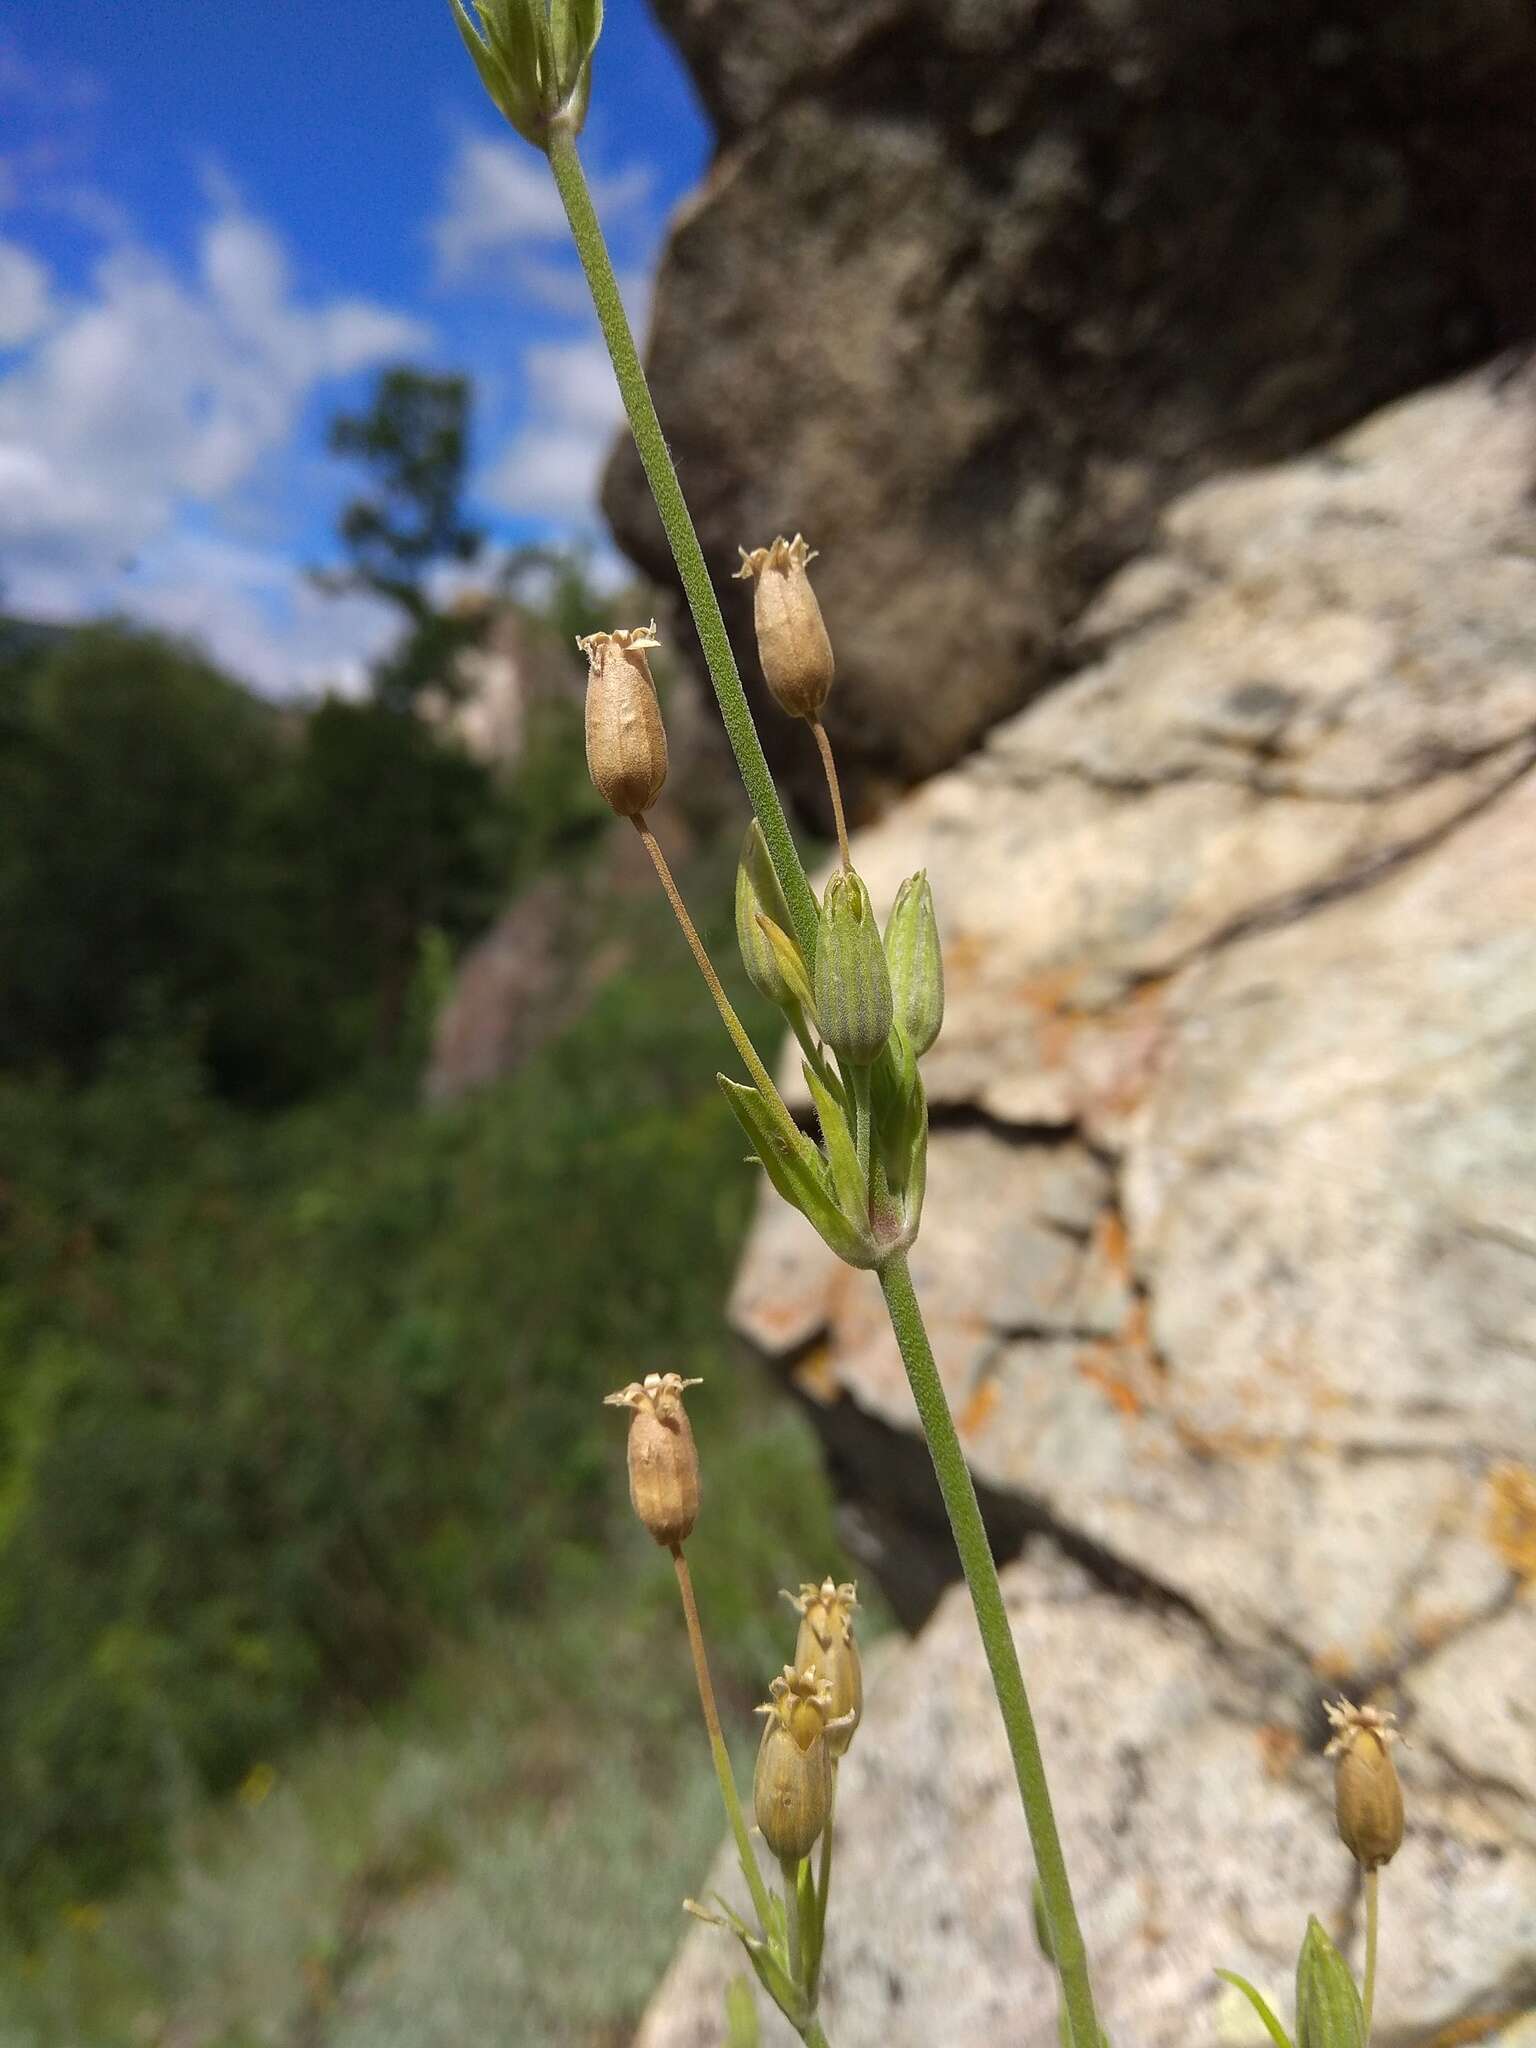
826, 1642
792, 1784
626, 741
792, 642
663, 1463
1367, 1798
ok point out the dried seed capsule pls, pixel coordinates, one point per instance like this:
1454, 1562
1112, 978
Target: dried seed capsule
792, 642
916, 964
792, 1784
853, 983
626, 741
1367, 1798
1328, 2009
663, 1463
826, 1643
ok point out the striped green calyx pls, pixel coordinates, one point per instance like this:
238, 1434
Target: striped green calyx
853, 984
534, 58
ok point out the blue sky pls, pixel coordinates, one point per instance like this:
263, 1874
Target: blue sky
216, 224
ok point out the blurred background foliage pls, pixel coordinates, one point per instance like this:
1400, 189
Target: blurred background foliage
304, 1481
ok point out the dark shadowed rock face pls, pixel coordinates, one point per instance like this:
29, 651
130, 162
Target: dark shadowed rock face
976, 285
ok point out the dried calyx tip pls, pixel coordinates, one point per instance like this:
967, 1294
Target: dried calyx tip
644, 1392
780, 554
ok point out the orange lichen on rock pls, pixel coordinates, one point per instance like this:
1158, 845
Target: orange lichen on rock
978, 1410
815, 1376
1279, 1748
1119, 1392
1511, 1527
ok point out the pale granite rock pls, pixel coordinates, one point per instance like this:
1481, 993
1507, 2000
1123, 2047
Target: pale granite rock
1200, 1832
1229, 1259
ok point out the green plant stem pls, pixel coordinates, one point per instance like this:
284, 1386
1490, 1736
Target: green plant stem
1368, 1992
791, 1870
860, 1082
651, 443
812, 2035
997, 1640
761, 1078
717, 1749
823, 1888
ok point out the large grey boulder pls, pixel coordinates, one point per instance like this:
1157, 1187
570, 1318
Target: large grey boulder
975, 286
1229, 1260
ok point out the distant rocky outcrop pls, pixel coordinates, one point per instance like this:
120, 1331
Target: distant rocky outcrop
1230, 1263
976, 286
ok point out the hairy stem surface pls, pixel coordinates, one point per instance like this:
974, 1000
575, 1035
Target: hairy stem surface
970, 1536
651, 443
834, 788
761, 1078
1368, 1993
717, 1749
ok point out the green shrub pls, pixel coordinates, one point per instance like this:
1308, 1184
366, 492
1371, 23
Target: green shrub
289, 1399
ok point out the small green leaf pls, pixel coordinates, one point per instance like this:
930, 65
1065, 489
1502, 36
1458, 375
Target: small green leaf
799, 1173
742, 2030
810, 1923
1328, 2009
848, 1181
1260, 2005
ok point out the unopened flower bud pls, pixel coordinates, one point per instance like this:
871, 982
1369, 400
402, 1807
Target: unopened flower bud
916, 964
534, 61
826, 1643
626, 742
792, 1785
663, 1463
792, 642
771, 957
1367, 1798
1328, 2009
853, 983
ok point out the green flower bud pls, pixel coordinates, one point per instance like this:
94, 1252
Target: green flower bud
853, 983
770, 956
792, 1784
916, 964
825, 1644
534, 58
1328, 2009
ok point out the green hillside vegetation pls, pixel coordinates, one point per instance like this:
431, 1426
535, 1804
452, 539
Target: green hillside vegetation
325, 1629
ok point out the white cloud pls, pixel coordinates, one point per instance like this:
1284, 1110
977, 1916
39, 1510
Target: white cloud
24, 295
550, 468
257, 616
502, 200
155, 400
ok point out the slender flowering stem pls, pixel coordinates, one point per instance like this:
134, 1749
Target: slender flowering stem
970, 1536
1368, 1994
834, 788
862, 1120
717, 1749
651, 443
761, 1078
791, 1869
